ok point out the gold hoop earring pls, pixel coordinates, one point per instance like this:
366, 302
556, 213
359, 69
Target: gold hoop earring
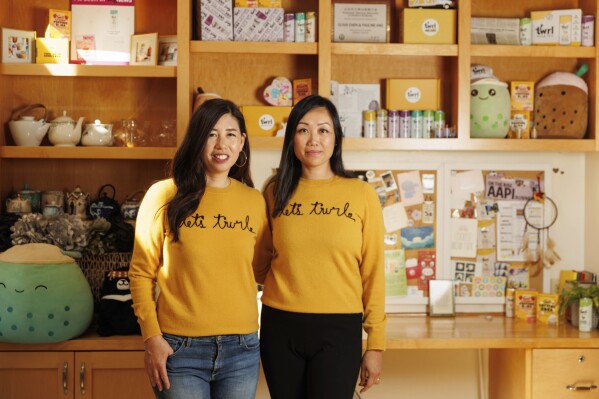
245, 159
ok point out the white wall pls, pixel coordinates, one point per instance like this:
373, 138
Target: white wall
456, 373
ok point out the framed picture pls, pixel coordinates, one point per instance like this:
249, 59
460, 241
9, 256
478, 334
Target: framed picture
167, 50
144, 49
18, 46
357, 21
441, 298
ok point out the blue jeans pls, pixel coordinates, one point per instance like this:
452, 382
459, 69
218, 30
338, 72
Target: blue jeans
215, 367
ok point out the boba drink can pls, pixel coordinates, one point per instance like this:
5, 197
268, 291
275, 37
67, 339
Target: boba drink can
416, 127
381, 123
510, 295
404, 124
289, 27
588, 31
393, 124
585, 314
310, 27
369, 124
428, 124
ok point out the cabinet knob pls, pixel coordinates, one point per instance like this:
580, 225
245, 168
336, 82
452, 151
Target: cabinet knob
575, 387
580, 359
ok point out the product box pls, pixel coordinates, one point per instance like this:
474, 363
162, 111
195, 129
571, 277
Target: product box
59, 24
351, 100
548, 308
413, 94
216, 20
51, 51
303, 88
424, 26
264, 120
519, 120
557, 27
101, 31
258, 24
522, 95
525, 305
495, 31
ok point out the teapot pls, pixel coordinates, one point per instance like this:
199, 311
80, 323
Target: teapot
18, 205
26, 130
64, 131
97, 134
77, 202
131, 205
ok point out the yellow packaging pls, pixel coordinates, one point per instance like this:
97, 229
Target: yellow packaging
522, 95
548, 308
51, 51
302, 88
258, 3
413, 94
519, 120
525, 305
59, 24
423, 26
264, 120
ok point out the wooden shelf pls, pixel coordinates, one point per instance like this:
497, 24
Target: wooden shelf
482, 50
126, 71
49, 152
361, 144
198, 46
366, 49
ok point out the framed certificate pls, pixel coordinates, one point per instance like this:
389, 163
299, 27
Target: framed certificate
441, 298
355, 22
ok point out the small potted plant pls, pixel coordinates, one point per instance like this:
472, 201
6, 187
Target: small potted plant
570, 299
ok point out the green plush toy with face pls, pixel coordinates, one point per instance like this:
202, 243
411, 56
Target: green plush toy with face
489, 109
44, 296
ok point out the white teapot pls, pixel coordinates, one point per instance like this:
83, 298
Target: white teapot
97, 134
25, 130
64, 131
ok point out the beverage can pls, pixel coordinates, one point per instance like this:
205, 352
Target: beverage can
416, 126
588, 31
289, 27
525, 31
369, 124
381, 123
393, 124
439, 122
404, 124
510, 294
300, 27
585, 314
310, 27
428, 124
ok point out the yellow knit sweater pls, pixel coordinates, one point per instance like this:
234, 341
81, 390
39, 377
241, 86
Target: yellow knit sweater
329, 253
206, 280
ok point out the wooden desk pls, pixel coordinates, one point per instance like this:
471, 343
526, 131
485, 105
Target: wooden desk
526, 360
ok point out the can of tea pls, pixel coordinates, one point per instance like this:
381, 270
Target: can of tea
393, 124
369, 124
588, 31
510, 294
381, 123
585, 314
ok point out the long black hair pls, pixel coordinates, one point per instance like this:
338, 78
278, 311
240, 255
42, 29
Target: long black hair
187, 167
290, 168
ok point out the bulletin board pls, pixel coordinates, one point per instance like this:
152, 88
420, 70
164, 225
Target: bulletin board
409, 199
493, 242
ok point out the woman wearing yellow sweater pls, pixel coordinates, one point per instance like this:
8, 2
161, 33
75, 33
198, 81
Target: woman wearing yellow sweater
326, 280
200, 237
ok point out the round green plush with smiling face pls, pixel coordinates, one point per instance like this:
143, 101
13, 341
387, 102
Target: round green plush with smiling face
42, 303
489, 109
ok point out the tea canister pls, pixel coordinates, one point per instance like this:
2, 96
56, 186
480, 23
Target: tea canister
77, 202
131, 205
34, 196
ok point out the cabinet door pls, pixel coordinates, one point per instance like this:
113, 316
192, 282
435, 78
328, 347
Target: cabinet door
565, 373
114, 375
40, 375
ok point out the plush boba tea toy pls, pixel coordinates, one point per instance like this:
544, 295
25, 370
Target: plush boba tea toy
489, 108
562, 106
44, 296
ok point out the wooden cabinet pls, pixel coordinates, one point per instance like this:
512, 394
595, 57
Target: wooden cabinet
47, 375
565, 373
239, 70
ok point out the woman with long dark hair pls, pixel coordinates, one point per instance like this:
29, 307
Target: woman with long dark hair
326, 280
202, 237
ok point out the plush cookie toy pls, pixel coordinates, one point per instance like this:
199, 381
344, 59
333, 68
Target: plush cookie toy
562, 106
115, 308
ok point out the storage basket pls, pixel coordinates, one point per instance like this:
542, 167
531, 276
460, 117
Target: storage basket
94, 267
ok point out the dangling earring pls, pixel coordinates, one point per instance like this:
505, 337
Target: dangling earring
245, 159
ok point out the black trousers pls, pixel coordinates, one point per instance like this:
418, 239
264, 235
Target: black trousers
310, 356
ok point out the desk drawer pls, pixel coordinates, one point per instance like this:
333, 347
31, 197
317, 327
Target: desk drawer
554, 370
